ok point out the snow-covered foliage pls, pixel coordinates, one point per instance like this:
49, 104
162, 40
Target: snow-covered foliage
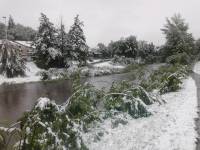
77, 42
47, 53
12, 63
166, 78
48, 127
126, 61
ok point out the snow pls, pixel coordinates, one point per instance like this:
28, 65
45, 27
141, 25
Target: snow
170, 127
108, 64
25, 43
42, 103
31, 75
54, 52
197, 68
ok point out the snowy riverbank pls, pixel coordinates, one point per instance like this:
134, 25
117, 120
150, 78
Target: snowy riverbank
170, 127
31, 75
32, 72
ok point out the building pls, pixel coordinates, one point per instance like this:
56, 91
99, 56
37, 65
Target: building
27, 49
25, 46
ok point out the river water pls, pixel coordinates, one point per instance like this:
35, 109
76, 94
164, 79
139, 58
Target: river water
15, 99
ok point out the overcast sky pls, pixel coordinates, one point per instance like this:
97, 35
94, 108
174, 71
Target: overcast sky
107, 20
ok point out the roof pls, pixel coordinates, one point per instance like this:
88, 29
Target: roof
25, 43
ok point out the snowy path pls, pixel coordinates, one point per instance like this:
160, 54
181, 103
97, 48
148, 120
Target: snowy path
196, 76
170, 127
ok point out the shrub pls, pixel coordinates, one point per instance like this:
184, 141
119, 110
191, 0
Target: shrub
166, 78
180, 58
48, 127
171, 84
126, 98
44, 75
123, 60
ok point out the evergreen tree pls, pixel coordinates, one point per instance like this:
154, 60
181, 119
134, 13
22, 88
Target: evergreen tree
11, 28
177, 36
77, 42
11, 23
62, 44
11, 60
2, 31
47, 53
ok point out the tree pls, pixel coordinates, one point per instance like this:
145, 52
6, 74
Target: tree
11, 23
62, 43
77, 42
11, 60
177, 36
2, 31
103, 50
124, 47
47, 53
23, 33
132, 47
197, 46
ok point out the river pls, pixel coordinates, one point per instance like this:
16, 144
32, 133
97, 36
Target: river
15, 99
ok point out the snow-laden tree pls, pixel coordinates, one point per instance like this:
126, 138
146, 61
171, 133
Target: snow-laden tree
12, 63
47, 53
11, 23
77, 42
177, 36
62, 44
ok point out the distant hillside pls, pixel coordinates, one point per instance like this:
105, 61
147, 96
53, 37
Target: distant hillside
17, 31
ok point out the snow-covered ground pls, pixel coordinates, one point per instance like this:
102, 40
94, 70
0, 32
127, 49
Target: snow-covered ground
197, 68
108, 64
31, 75
170, 127
32, 70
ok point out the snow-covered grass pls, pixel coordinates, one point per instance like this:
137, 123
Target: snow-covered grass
108, 64
32, 72
197, 68
31, 75
170, 127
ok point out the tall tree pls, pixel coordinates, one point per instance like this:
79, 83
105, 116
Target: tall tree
2, 31
47, 53
178, 40
103, 50
11, 23
62, 44
77, 42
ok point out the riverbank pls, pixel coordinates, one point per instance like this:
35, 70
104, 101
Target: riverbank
171, 126
33, 73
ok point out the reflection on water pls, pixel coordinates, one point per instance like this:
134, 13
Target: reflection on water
18, 98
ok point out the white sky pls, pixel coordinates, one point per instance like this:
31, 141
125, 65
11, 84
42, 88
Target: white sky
107, 20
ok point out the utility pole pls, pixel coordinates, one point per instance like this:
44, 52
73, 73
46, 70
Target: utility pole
6, 30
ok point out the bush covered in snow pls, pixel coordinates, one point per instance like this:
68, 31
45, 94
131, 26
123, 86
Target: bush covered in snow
48, 127
12, 63
180, 58
124, 60
166, 78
